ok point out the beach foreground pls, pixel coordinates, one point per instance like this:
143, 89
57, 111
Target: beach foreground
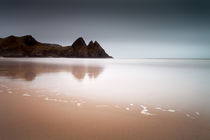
24, 118
29, 111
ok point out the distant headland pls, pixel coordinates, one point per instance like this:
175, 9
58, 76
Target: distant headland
27, 46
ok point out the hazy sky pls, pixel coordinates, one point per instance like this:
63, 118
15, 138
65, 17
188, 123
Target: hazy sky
124, 28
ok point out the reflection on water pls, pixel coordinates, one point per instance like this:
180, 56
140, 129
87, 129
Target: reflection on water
175, 83
29, 70
79, 71
104, 99
183, 83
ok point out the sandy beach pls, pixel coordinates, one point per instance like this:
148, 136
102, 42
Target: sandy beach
33, 117
41, 99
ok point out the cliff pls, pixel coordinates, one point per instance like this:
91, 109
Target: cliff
27, 46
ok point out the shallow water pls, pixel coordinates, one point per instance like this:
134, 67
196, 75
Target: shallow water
129, 93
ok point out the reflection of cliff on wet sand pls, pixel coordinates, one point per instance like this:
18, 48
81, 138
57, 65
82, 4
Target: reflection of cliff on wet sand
29, 70
79, 71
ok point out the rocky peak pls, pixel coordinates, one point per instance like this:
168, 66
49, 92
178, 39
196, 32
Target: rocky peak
29, 40
14, 46
79, 42
11, 38
90, 43
94, 44
97, 44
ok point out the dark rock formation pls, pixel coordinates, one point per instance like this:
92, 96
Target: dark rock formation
27, 46
79, 42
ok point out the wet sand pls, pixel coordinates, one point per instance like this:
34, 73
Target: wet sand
79, 99
33, 116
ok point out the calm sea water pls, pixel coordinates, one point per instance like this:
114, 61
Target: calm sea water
183, 84
148, 87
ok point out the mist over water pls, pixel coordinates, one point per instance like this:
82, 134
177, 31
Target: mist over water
177, 83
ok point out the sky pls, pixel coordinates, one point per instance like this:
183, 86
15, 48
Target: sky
124, 28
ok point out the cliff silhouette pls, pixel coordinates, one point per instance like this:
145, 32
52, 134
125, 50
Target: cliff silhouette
27, 46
